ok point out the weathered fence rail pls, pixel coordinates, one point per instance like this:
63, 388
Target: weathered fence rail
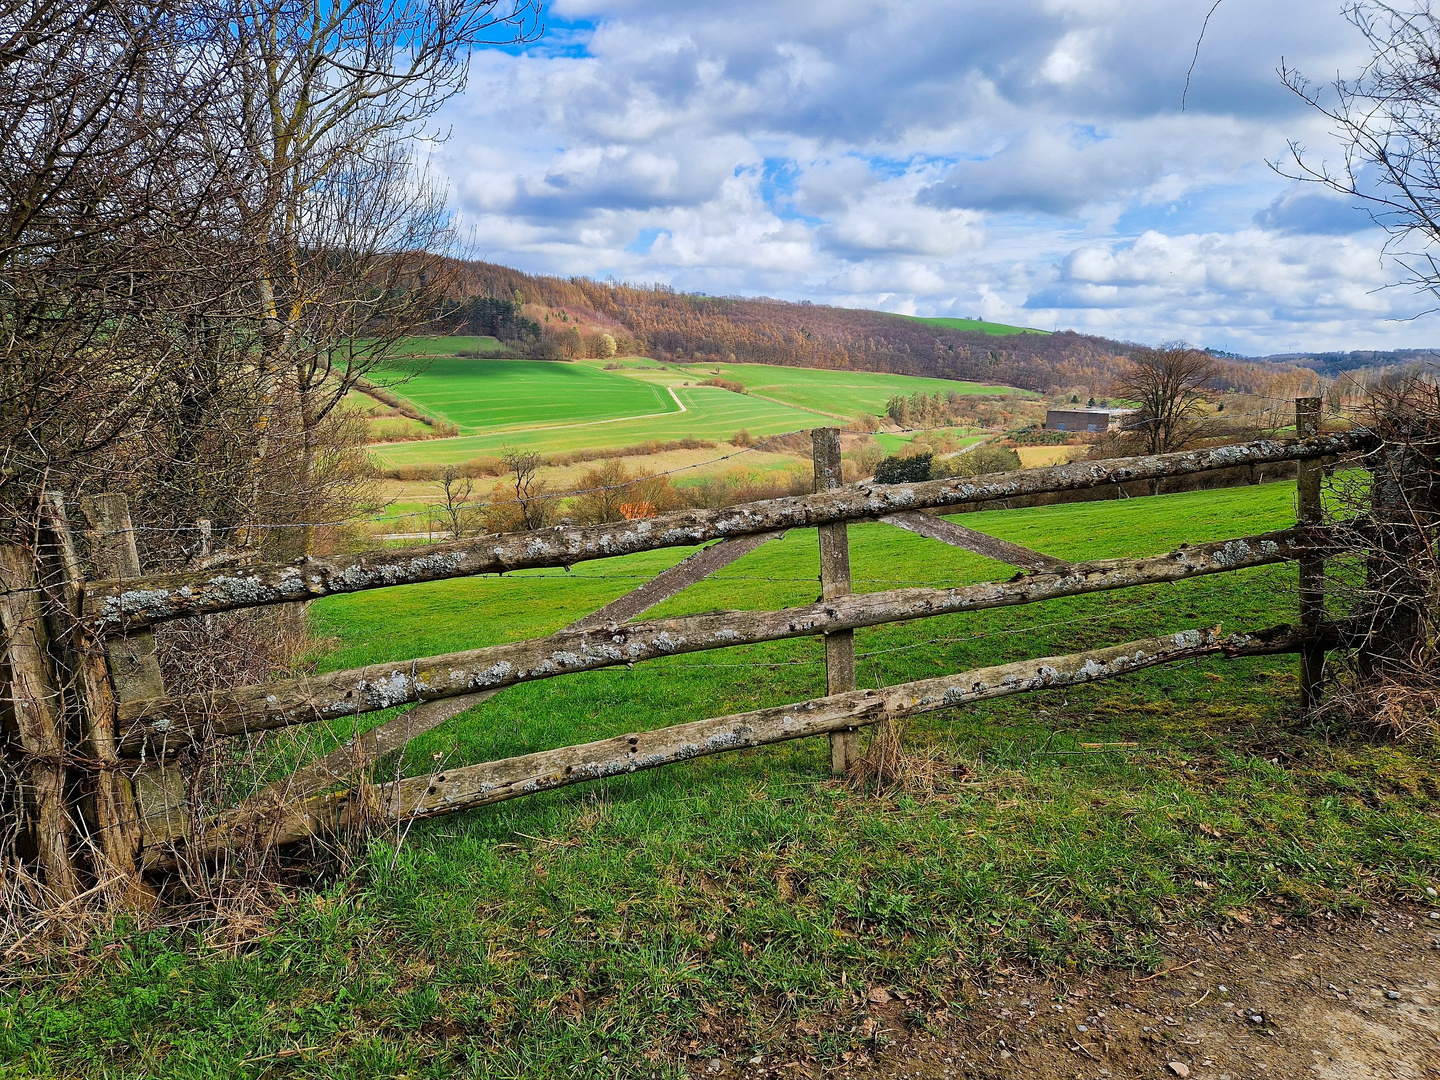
123, 606
81, 657
154, 725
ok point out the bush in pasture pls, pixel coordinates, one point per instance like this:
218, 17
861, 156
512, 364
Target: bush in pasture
612, 493
859, 462
741, 486
798, 443
864, 422
983, 459
903, 470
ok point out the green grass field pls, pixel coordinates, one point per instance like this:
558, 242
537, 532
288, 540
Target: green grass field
555, 406
711, 413
501, 395
448, 346
893, 444
725, 905
845, 394
978, 326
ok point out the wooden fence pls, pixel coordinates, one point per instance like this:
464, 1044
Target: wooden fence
95, 740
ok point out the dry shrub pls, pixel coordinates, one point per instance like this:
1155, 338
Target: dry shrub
795, 443
740, 486
612, 493
1383, 595
1395, 710
887, 769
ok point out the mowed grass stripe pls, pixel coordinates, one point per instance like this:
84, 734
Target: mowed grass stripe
492, 395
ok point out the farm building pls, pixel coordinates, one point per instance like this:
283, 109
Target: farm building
1082, 419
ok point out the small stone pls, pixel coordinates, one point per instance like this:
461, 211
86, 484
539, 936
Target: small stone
1179, 1068
1224, 989
715, 1065
1430, 891
1393, 995
756, 1060
1081, 1028
1435, 914
1257, 1018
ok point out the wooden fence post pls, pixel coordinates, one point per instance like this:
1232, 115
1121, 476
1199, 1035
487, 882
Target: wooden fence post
1312, 569
38, 717
110, 807
835, 581
160, 795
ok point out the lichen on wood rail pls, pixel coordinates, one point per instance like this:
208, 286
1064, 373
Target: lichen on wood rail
123, 606
168, 723
472, 786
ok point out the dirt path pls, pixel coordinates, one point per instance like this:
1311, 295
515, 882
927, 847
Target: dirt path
1341, 1001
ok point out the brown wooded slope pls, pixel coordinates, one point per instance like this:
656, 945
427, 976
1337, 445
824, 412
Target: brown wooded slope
666, 323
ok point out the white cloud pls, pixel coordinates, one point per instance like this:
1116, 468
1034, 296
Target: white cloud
1025, 160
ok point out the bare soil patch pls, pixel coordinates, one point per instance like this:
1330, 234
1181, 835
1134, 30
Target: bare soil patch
1331, 1000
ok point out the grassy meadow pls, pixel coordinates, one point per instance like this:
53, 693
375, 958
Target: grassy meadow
555, 406
979, 326
733, 905
842, 394
449, 346
483, 396
710, 413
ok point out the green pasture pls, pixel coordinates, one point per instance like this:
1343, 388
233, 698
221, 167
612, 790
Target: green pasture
846, 394
893, 443
711, 413
733, 905
979, 326
556, 406
498, 395
448, 346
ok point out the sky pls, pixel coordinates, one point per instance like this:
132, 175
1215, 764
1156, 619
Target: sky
1024, 161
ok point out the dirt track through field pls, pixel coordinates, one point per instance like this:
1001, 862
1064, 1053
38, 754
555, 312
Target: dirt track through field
1337, 1001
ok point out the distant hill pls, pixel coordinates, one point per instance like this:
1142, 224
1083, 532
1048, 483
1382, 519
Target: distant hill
977, 326
1331, 364
669, 325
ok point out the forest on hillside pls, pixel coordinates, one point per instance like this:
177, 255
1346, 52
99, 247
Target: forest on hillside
671, 325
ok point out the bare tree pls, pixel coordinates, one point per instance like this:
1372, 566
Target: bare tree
1388, 120
531, 499
456, 489
1170, 386
328, 100
118, 255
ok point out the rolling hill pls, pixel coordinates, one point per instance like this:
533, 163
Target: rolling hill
659, 322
